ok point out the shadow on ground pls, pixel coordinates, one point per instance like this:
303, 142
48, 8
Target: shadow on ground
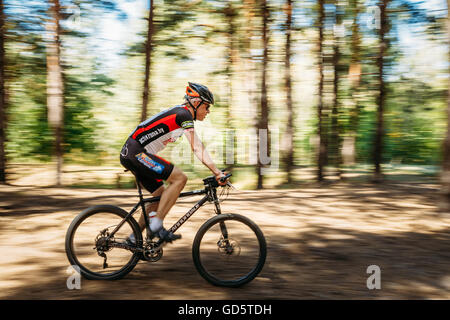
320, 244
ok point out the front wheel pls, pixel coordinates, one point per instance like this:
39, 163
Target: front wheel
229, 250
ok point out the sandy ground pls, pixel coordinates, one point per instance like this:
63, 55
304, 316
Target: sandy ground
321, 240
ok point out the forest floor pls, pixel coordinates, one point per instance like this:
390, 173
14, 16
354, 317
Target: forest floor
321, 240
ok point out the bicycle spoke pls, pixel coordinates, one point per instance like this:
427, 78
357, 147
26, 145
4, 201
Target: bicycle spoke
90, 242
232, 258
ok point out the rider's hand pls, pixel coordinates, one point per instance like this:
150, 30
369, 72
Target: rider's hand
220, 175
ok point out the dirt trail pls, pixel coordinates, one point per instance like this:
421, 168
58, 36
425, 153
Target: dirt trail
320, 243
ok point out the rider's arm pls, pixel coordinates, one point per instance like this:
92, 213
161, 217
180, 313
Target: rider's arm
200, 151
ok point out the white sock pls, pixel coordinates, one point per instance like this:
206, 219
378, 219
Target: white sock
158, 225
155, 223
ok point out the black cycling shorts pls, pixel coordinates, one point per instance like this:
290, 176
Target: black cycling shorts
150, 169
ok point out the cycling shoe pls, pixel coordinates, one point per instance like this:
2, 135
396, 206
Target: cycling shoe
166, 235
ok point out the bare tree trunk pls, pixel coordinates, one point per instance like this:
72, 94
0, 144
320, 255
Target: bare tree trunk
349, 150
3, 102
263, 123
148, 60
249, 78
378, 150
230, 13
55, 84
335, 128
444, 203
322, 152
288, 83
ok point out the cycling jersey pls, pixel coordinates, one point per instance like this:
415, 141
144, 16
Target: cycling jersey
167, 126
150, 137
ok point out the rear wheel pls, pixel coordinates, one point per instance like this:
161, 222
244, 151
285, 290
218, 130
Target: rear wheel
229, 250
90, 247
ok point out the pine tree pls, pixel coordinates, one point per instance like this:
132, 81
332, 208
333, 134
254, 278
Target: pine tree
290, 129
263, 125
3, 101
55, 84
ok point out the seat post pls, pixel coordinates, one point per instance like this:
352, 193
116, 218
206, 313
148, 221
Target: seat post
139, 189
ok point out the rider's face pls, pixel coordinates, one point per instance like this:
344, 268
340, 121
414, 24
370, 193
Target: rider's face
202, 111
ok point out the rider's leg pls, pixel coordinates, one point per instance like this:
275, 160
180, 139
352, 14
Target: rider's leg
149, 207
177, 180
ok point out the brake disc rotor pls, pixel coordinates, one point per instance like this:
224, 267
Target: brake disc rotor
229, 247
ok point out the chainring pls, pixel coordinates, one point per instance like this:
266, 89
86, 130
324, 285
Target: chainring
152, 253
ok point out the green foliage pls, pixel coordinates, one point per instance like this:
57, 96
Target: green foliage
191, 42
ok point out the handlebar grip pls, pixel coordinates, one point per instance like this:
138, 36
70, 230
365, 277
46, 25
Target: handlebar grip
225, 178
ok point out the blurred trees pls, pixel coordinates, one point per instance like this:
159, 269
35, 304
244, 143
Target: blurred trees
354, 75
3, 105
444, 202
383, 46
340, 91
55, 84
148, 57
290, 129
321, 115
263, 113
162, 20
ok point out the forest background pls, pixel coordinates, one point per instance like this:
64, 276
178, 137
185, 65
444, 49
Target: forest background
306, 90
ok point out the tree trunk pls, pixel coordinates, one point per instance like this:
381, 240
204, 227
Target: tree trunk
288, 83
349, 150
378, 150
444, 203
55, 83
335, 128
249, 81
3, 102
263, 146
322, 152
148, 59
230, 13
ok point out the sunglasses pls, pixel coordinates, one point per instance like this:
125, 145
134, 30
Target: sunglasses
206, 104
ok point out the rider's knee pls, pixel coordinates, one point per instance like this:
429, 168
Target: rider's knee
183, 178
178, 177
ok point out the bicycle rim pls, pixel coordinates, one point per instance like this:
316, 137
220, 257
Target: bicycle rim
232, 259
87, 244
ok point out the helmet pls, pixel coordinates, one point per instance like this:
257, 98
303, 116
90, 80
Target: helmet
195, 90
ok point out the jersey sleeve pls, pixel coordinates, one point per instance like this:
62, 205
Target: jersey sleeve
184, 119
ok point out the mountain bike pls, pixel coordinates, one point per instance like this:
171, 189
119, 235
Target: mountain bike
228, 250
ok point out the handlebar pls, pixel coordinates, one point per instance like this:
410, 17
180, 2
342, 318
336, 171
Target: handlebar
211, 180
225, 178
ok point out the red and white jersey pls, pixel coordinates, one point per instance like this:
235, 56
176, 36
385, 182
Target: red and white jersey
167, 126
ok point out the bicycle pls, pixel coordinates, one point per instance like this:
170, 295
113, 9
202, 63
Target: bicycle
228, 249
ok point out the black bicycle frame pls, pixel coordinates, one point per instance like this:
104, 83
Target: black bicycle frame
210, 195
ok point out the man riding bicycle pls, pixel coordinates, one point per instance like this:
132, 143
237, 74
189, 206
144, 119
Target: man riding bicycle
150, 137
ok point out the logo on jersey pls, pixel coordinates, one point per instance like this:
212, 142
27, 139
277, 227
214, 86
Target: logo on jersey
187, 124
150, 135
150, 163
124, 151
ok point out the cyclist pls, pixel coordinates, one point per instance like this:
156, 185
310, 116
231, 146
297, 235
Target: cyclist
150, 137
